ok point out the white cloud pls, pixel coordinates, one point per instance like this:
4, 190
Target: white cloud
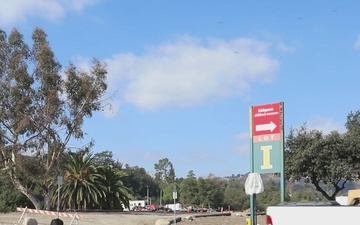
79, 4
326, 125
357, 42
187, 71
19, 10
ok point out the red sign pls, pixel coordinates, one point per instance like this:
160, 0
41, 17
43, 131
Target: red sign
266, 119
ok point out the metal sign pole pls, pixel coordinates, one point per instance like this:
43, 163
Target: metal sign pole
174, 197
60, 182
267, 144
282, 161
252, 197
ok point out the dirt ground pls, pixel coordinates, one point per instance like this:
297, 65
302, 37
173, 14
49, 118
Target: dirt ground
129, 219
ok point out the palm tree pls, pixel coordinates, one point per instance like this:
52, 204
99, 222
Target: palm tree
116, 193
82, 184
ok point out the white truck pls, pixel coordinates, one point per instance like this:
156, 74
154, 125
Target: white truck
315, 213
134, 204
176, 207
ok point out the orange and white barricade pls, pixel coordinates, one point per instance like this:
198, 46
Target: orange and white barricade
74, 216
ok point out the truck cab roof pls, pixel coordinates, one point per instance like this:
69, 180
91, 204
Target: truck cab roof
317, 203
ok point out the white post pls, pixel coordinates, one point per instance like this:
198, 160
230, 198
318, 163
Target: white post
174, 197
147, 194
60, 182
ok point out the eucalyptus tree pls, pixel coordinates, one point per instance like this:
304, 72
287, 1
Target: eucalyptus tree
41, 110
10, 198
165, 171
165, 177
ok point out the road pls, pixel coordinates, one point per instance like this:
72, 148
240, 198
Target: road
130, 218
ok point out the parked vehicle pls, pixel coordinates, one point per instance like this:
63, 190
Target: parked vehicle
135, 205
176, 207
314, 213
152, 207
164, 209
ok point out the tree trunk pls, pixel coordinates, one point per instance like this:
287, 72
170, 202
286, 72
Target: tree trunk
15, 180
35, 201
48, 193
331, 196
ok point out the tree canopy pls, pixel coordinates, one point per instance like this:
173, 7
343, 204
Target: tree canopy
43, 106
40, 109
328, 161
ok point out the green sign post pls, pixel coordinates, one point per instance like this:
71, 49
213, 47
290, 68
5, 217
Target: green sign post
267, 144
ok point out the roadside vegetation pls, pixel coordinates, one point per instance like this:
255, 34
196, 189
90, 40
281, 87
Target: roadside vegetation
43, 107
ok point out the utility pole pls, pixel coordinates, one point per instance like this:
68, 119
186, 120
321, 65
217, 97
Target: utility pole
160, 198
147, 194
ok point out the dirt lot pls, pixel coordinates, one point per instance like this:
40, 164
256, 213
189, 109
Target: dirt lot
236, 218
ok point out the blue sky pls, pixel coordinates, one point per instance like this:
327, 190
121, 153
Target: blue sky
185, 72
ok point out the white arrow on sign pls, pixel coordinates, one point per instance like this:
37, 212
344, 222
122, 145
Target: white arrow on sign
263, 127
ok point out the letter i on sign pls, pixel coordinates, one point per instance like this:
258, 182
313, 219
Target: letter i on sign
266, 157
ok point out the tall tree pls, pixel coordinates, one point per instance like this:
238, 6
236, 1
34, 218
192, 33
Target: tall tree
352, 140
83, 185
10, 198
210, 191
165, 171
270, 196
322, 159
165, 178
105, 158
40, 111
235, 196
189, 189
139, 182
116, 193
